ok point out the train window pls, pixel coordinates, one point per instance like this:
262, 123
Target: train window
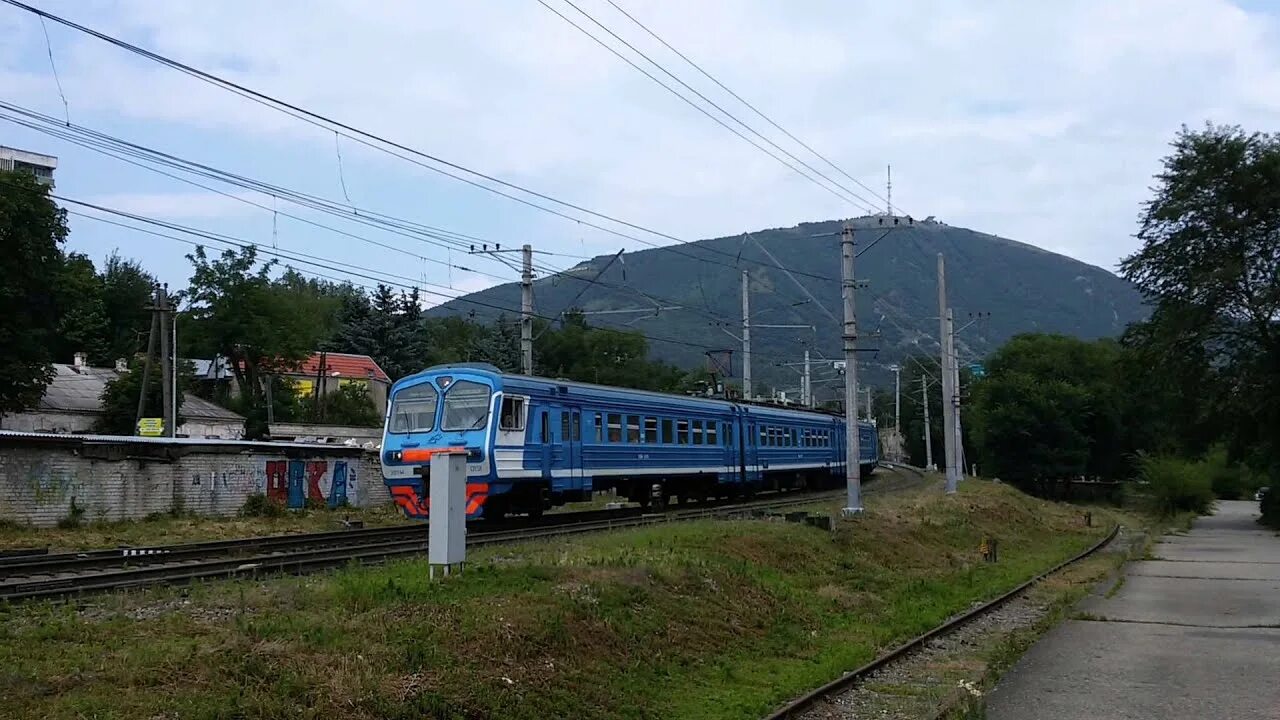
564, 425
512, 415
668, 428
546, 428
577, 426
697, 432
466, 406
651, 430
598, 428
682, 432
764, 436
794, 442
633, 429
615, 427
414, 409
711, 433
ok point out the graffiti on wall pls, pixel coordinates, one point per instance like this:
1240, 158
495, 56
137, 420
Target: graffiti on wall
297, 482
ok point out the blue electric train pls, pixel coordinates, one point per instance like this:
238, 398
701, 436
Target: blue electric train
533, 442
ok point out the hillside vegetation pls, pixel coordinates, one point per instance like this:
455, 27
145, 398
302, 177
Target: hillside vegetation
1023, 288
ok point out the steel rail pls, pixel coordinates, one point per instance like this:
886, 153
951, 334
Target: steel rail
37, 561
305, 560
805, 702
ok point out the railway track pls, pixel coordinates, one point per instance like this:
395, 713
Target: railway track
800, 706
33, 577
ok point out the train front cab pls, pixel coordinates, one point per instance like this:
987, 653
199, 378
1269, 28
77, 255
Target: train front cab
433, 410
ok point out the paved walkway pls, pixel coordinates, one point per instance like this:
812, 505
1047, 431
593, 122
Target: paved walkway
1192, 634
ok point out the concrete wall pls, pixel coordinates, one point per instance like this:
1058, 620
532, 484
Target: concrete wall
40, 478
48, 421
70, 422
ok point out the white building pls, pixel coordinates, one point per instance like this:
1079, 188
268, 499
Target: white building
42, 166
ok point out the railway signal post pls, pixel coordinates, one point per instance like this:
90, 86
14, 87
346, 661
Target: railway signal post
853, 475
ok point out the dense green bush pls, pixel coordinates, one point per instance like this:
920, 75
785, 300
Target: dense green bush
1174, 484
1270, 507
1230, 481
259, 505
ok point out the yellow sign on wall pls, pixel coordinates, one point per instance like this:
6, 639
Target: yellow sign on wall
151, 427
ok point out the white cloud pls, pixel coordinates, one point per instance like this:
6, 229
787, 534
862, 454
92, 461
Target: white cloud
1041, 122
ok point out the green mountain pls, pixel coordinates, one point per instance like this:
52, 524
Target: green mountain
1023, 288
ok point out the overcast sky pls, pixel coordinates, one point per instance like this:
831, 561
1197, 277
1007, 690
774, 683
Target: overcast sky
1041, 122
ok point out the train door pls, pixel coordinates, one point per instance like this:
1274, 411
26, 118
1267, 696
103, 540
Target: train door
574, 442
750, 450
544, 443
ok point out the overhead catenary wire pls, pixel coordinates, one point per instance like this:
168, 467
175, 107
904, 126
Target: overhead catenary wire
311, 260
742, 100
143, 157
418, 157
841, 192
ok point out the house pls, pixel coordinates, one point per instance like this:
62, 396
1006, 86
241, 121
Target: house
333, 370
72, 403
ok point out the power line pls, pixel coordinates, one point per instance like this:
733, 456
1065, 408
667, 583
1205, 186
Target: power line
740, 99
393, 148
124, 150
846, 197
308, 259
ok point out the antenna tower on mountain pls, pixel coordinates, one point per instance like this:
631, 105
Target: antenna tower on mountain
889, 188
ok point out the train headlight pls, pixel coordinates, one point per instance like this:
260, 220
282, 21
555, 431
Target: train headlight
393, 456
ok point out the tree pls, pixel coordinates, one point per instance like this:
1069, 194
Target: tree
82, 321
126, 292
120, 398
578, 351
1210, 267
32, 230
262, 326
350, 405
1048, 409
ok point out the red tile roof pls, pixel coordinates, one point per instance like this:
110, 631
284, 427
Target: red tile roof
344, 365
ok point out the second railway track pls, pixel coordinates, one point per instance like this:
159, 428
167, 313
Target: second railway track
34, 577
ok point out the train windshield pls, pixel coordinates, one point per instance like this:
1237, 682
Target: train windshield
466, 406
414, 409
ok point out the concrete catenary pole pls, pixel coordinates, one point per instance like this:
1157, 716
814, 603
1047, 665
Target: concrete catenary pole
897, 399
526, 310
948, 422
807, 386
173, 378
955, 390
853, 477
746, 335
928, 434
955, 397
165, 365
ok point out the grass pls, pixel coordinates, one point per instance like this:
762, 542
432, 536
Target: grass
168, 528
711, 619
